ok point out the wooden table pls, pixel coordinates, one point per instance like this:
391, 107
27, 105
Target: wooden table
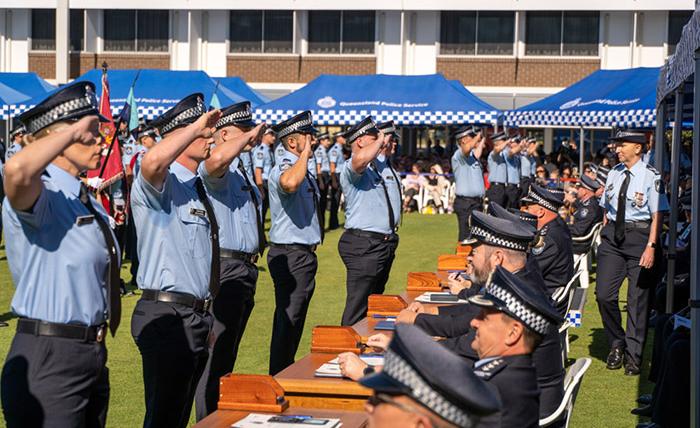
224, 418
303, 389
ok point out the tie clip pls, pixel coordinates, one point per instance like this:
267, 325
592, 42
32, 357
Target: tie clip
84, 219
198, 212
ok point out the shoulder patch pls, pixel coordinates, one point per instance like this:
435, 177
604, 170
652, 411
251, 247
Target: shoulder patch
652, 169
491, 369
584, 212
660, 186
260, 155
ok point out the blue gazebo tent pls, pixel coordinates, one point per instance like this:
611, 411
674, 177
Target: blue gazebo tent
604, 99
407, 100
16, 88
238, 86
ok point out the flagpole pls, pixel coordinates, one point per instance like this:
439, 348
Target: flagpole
114, 137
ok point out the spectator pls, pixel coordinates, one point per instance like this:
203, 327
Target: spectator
436, 185
411, 185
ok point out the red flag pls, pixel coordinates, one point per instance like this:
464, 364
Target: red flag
111, 168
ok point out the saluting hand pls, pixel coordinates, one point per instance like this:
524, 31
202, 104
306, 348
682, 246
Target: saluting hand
647, 259
85, 130
206, 124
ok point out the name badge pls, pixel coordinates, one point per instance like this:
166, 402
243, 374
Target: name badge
84, 219
197, 212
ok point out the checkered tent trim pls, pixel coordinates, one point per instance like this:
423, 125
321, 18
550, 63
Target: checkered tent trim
529, 317
148, 112
402, 118
641, 118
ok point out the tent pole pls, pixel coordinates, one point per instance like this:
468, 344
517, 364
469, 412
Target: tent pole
673, 190
580, 152
694, 257
660, 136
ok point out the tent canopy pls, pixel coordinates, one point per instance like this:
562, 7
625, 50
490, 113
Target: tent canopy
606, 98
681, 65
238, 86
155, 91
19, 87
407, 100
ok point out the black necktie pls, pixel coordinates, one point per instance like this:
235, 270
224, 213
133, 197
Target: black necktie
319, 213
214, 279
262, 242
392, 219
621, 206
114, 302
398, 183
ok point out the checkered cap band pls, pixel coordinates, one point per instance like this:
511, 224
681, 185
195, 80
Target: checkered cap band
19, 130
541, 201
490, 238
628, 134
471, 131
237, 116
360, 132
529, 317
397, 368
390, 129
293, 127
183, 117
77, 105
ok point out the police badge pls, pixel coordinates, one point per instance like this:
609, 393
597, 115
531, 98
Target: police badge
638, 199
538, 244
659, 186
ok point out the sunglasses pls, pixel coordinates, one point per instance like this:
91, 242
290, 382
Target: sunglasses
540, 170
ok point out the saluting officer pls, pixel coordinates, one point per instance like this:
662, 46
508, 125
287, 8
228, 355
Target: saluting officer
512, 156
498, 170
633, 199
263, 164
372, 213
179, 253
336, 159
323, 172
237, 204
65, 266
16, 139
528, 165
294, 235
513, 320
587, 212
469, 177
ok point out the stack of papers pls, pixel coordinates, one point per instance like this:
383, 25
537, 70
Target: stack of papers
441, 297
332, 368
257, 420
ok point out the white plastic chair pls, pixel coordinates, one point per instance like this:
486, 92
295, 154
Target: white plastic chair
572, 383
583, 266
563, 292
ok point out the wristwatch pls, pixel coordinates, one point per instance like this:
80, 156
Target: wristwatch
651, 244
368, 370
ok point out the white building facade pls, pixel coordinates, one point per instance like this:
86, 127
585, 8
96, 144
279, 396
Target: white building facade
509, 52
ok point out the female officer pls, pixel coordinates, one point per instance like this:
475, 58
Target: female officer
62, 257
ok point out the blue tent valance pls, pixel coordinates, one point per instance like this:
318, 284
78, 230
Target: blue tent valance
407, 100
605, 99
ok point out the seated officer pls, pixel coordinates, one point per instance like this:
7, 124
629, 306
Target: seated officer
424, 385
513, 320
587, 212
554, 252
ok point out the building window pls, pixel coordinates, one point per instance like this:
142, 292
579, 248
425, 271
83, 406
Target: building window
254, 31
136, 30
676, 21
77, 29
562, 33
43, 29
477, 33
341, 32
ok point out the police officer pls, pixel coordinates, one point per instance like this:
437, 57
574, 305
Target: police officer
633, 199
528, 165
16, 140
513, 320
237, 204
372, 213
469, 177
553, 250
512, 157
65, 265
423, 385
179, 253
323, 172
336, 158
294, 235
587, 212
263, 163
498, 175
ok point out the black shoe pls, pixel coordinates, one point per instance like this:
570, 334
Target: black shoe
644, 399
643, 411
631, 369
615, 357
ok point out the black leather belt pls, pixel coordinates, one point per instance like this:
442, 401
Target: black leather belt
239, 255
498, 184
513, 184
373, 235
184, 299
95, 333
473, 198
303, 247
634, 224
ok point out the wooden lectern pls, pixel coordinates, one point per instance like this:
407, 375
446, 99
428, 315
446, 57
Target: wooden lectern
385, 304
335, 340
423, 281
255, 393
456, 262
463, 250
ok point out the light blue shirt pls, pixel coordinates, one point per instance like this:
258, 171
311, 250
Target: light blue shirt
321, 155
247, 159
497, 167
279, 153
525, 166
294, 218
174, 247
335, 155
263, 160
512, 167
12, 150
311, 165
129, 150
234, 208
365, 201
58, 266
645, 194
469, 178
533, 166
395, 191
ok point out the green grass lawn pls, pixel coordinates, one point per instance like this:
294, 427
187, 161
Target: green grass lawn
605, 398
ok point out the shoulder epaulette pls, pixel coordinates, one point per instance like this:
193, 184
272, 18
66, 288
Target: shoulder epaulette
652, 169
490, 369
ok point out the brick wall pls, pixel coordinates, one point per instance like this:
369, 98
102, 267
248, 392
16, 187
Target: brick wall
295, 69
524, 72
44, 63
